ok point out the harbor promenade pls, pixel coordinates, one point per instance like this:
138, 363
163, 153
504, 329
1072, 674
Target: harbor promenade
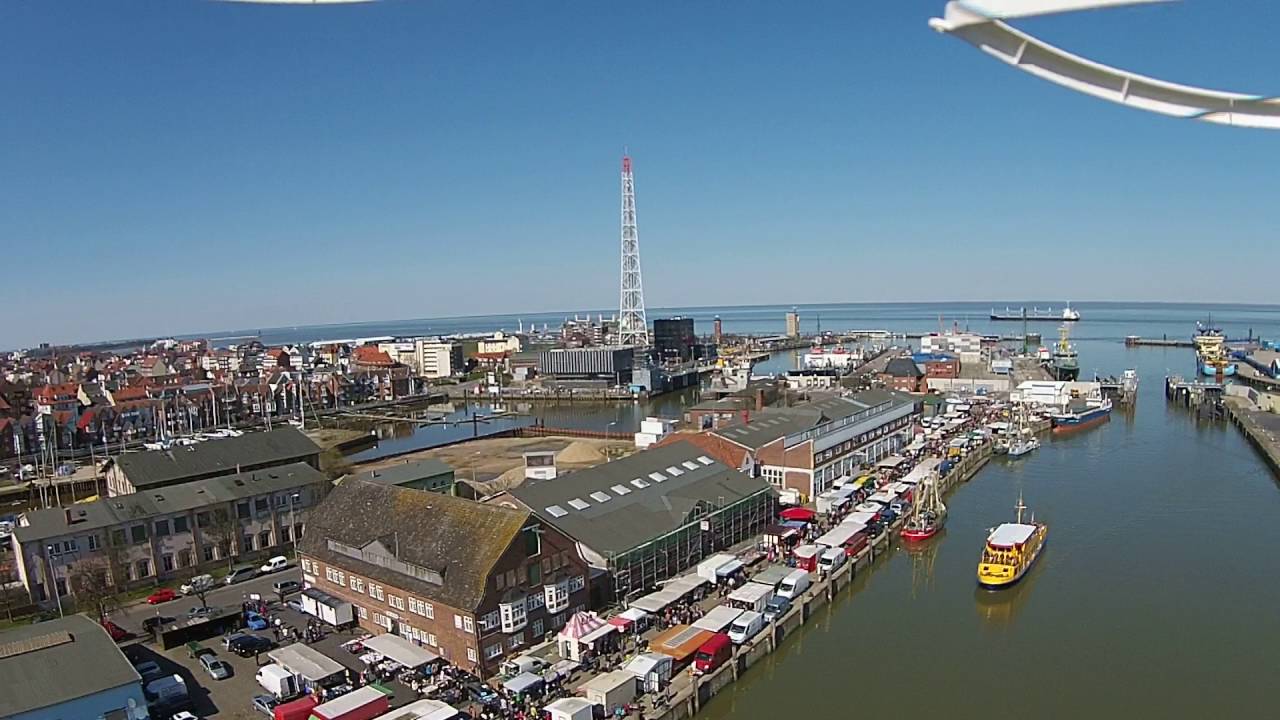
1260, 427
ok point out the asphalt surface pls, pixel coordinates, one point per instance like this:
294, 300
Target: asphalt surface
130, 617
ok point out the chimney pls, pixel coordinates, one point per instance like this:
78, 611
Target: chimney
67, 512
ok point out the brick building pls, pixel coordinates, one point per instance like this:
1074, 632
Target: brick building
475, 583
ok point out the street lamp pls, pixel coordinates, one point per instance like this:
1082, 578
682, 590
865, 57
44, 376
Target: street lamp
53, 582
293, 524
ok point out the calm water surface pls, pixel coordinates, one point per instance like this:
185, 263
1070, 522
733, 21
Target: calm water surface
1155, 596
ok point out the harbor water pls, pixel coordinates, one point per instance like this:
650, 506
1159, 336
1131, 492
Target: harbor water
1154, 597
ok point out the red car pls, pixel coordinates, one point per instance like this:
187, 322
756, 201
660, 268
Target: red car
116, 632
162, 595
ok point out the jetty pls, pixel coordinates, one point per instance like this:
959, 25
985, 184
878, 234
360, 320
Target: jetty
1136, 341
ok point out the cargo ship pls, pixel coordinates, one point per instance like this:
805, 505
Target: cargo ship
1011, 550
1081, 414
1211, 352
1035, 314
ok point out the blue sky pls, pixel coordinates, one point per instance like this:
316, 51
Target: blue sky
177, 166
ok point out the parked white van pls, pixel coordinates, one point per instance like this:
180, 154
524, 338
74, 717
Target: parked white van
278, 562
831, 559
794, 585
745, 627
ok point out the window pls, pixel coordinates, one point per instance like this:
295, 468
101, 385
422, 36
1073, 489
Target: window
429, 610
264, 539
490, 621
280, 500
468, 624
534, 602
364, 614
532, 541
284, 533
93, 542
330, 574
471, 654
138, 533
166, 562
261, 506
457, 621
499, 582
242, 509
142, 569
204, 519
536, 628
342, 578
246, 543
208, 553
184, 558
431, 640
515, 641
493, 651
162, 528
577, 583
395, 601
379, 619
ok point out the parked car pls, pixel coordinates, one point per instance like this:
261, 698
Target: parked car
149, 670
218, 669
116, 632
228, 639
197, 612
274, 564
265, 704
163, 595
482, 694
250, 645
241, 574
195, 583
254, 621
287, 587
150, 624
296, 604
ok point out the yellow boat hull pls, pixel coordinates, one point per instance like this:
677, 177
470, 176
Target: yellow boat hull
1000, 575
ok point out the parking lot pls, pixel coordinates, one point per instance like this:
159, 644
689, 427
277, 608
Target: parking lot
231, 697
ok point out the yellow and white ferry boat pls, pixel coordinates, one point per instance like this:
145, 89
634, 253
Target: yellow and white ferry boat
1011, 550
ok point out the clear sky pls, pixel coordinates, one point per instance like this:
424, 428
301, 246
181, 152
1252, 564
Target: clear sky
179, 166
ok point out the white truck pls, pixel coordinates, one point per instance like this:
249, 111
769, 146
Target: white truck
281, 683
611, 690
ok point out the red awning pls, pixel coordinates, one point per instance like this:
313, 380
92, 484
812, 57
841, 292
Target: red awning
799, 513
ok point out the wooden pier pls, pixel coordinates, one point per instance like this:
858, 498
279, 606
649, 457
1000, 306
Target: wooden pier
1203, 398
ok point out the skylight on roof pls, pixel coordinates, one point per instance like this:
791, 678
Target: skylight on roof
579, 504
620, 490
600, 496
557, 511
674, 471
640, 484
705, 460
657, 477
690, 465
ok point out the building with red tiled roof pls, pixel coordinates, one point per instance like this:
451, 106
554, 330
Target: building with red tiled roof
371, 355
722, 449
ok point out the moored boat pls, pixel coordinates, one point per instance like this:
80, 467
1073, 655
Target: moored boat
928, 515
1079, 417
1010, 551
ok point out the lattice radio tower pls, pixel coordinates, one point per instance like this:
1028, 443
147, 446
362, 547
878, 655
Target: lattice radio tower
633, 328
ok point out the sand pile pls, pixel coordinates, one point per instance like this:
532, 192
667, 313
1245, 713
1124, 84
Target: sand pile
580, 453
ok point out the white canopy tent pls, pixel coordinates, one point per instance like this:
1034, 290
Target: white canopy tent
400, 650
981, 24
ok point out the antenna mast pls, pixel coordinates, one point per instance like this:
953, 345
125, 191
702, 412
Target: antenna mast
633, 327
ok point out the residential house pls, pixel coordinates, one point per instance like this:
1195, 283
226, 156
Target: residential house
476, 583
904, 375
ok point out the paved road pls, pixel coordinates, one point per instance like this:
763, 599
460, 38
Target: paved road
130, 617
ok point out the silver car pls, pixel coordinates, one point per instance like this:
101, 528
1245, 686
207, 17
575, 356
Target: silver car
217, 669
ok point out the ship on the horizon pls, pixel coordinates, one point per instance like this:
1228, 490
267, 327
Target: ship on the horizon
1035, 314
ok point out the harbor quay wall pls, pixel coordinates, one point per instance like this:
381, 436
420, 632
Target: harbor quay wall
1266, 442
690, 697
